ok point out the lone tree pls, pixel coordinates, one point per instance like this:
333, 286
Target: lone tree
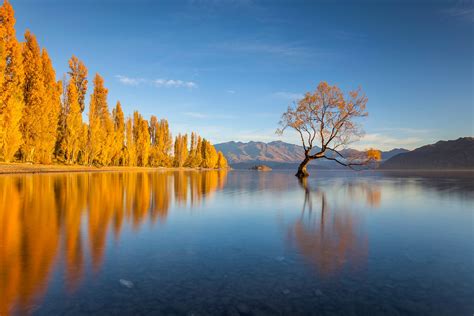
327, 119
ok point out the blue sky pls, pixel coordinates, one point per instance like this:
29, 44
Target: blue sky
228, 69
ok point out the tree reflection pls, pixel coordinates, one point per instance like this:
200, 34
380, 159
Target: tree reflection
50, 218
329, 238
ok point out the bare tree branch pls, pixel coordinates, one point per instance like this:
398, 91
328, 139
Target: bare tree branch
329, 116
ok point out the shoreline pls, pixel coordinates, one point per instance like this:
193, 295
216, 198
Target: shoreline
24, 168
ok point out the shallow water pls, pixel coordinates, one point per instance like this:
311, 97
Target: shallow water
239, 242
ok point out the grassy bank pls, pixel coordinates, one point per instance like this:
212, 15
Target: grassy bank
16, 168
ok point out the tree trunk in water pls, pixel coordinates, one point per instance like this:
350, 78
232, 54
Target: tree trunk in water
302, 172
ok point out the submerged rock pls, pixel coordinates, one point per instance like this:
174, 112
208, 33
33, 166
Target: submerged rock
261, 168
126, 283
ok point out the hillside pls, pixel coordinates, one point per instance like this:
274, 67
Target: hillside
279, 155
277, 151
452, 154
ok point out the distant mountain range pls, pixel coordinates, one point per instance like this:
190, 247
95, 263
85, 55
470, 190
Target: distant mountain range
279, 155
453, 154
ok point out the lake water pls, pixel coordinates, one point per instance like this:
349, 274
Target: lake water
237, 243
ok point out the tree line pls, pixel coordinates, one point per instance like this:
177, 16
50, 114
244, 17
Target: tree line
41, 118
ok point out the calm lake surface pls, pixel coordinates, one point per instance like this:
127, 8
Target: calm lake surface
237, 243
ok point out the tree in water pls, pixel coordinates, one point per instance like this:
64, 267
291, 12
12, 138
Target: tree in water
327, 118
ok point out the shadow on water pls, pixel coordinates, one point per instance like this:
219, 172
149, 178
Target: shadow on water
48, 219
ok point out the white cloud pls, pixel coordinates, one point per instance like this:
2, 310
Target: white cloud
196, 115
171, 83
407, 130
462, 10
288, 95
130, 81
386, 142
230, 91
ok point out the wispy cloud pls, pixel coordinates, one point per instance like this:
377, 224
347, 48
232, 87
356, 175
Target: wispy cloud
387, 142
379, 140
199, 115
405, 130
231, 91
260, 47
196, 115
287, 95
130, 81
171, 83
463, 10
168, 83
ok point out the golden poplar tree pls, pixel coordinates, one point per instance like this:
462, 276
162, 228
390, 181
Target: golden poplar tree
84, 145
209, 155
141, 136
177, 149
154, 137
197, 160
73, 124
184, 149
11, 85
221, 161
137, 118
165, 144
180, 150
38, 122
144, 143
34, 95
49, 117
60, 147
192, 151
99, 123
131, 156
161, 143
108, 149
78, 74
119, 129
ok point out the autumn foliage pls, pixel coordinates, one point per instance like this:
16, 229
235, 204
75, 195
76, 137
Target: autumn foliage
42, 119
326, 122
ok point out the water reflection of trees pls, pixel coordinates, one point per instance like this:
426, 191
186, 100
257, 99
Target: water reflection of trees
59, 217
329, 238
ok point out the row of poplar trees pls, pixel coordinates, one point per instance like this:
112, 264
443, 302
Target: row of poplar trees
41, 119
